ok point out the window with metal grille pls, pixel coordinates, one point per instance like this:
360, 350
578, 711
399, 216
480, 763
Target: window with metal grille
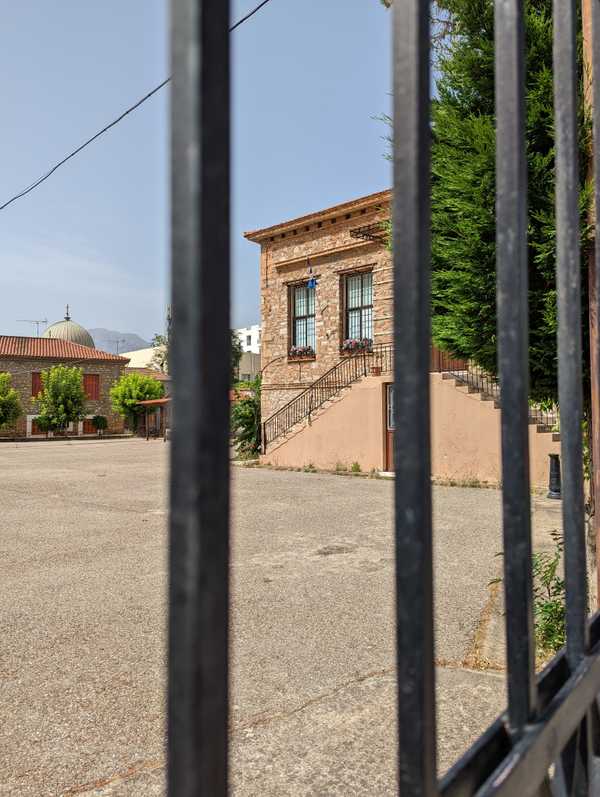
36, 383
358, 323
91, 386
303, 320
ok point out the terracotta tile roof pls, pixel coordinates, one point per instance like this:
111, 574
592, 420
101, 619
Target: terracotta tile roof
12, 346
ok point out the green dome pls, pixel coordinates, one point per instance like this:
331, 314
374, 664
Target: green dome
71, 331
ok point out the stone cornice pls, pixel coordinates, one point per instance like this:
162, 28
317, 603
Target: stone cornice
371, 201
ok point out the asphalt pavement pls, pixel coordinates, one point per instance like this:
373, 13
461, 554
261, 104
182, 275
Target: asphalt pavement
83, 564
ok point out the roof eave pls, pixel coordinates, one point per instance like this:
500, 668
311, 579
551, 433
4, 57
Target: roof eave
371, 200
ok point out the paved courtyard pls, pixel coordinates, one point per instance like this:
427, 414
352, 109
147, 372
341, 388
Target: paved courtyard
83, 567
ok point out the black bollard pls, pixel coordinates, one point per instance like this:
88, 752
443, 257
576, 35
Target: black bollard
554, 480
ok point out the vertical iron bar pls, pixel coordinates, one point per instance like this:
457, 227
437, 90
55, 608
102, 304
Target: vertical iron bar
568, 283
199, 516
411, 248
595, 294
513, 355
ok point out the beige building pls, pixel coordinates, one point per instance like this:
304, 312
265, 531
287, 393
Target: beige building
326, 353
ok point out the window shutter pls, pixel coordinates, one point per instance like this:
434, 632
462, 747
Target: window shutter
91, 386
36, 383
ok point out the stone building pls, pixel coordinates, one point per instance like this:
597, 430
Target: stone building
25, 358
340, 252
326, 284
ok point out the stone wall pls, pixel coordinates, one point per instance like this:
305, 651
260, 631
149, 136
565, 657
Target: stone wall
21, 370
333, 253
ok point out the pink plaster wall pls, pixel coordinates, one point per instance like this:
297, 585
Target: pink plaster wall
465, 435
349, 430
465, 438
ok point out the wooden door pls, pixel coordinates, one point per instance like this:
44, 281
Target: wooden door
390, 425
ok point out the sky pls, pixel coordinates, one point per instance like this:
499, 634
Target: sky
309, 78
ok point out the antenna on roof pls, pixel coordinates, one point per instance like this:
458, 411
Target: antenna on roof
117, 341
36, 321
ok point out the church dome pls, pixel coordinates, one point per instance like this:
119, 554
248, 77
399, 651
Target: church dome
71, 331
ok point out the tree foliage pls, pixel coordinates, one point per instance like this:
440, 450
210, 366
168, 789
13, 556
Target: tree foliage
160, 356
131, 388
62, 398
463, 286
246, 422
236, 355
10, 404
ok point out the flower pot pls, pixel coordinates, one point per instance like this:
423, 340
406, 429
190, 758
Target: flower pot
375, 370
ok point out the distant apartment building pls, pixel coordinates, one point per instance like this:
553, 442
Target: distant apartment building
249, 338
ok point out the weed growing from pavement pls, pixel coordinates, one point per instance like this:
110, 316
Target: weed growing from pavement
549, 613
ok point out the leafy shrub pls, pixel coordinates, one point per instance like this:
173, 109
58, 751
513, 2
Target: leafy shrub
355, 467
62, 398
10, 404
246, 422
549, 599
131, 388
99, 423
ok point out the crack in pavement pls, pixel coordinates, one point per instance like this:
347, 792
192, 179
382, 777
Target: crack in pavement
261, 720
123, 775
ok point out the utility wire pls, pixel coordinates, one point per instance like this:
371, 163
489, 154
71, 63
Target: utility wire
116, 121
251, 14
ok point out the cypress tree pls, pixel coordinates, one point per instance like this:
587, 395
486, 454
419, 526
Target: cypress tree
463, 192
463, 286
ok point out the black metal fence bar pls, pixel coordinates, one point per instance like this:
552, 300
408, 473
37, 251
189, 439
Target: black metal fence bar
513, 356
569, 323
199, 541
411, 247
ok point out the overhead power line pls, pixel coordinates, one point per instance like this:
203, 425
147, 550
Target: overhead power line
116, 121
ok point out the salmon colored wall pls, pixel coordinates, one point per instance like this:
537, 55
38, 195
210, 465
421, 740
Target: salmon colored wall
348, 430
465, 435
465, 438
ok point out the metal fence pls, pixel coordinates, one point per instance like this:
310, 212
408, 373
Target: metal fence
548, 740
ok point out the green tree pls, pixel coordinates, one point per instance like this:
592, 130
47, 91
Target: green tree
131, 388
463, 286
246, 422
62, 398
10, 404
236, 355
160, 357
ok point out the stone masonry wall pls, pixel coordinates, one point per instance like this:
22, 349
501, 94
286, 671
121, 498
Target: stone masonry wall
333, 253
21, 370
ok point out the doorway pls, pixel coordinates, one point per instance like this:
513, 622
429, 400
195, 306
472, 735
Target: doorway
390, 426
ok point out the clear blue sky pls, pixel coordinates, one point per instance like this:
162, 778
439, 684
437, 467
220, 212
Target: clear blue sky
309, 76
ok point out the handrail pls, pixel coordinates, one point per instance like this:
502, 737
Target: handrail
473, 376
355, 366
341, 375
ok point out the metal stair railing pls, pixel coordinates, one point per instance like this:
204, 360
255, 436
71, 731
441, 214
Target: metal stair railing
344, 373
477, 379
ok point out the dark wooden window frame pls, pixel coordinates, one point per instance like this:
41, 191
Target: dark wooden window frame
292, 317
343, 275
36, 383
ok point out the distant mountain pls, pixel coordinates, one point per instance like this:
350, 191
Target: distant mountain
106, 340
